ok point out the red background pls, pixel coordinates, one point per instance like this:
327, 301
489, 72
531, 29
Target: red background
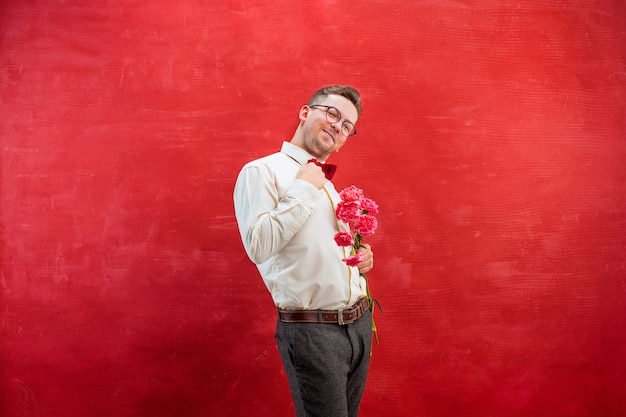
493, 138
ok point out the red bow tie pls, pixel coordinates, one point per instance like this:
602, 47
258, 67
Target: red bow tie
328, 169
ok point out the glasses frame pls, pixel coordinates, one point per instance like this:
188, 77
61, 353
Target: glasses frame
345, 122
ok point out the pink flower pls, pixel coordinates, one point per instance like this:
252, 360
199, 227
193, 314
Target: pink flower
348, 211
344, 239
368, 205
354, 260
351, 193
357, 211
366, 225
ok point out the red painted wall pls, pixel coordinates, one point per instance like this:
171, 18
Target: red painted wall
493, 139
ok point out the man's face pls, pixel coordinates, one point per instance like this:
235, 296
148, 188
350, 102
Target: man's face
321, 137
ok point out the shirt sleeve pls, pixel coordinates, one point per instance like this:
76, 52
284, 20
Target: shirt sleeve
268, 220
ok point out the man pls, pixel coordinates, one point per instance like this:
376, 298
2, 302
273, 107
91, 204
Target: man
285, 209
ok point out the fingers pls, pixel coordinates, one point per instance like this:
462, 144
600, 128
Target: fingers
368, 258
312, 174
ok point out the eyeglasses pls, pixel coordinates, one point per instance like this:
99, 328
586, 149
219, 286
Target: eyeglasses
333, 116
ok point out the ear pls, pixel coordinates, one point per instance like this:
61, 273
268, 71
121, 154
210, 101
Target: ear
304, 112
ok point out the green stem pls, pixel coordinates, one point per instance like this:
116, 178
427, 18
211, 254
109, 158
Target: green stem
370, 299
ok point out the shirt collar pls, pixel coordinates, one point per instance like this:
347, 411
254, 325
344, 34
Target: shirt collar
296, 153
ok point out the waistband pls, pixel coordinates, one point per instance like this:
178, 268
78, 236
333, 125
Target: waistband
340, 316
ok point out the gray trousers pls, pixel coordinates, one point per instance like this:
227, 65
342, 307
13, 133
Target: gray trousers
326, 365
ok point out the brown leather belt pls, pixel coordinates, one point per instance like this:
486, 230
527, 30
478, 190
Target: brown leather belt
339, 317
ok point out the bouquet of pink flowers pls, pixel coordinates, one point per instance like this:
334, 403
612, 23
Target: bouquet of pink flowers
358, 212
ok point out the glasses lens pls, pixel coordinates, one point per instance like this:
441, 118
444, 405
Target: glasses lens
347, 129
333, 115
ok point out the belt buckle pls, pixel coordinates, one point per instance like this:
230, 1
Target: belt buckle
340, 317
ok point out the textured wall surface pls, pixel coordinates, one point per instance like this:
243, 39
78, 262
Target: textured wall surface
493, 138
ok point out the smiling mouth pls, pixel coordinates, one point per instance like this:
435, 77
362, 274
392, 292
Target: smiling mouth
328, 135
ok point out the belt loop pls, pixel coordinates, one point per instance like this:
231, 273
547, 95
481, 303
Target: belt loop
319, 316
340, 317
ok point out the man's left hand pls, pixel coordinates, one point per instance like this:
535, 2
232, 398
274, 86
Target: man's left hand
368, 258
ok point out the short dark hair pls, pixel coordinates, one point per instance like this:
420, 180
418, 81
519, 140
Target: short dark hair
339, 90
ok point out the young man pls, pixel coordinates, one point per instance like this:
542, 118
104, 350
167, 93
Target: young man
285, 209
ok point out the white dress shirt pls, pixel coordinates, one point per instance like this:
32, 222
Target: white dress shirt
287, 227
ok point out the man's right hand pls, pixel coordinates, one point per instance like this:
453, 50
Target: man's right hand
313, 174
